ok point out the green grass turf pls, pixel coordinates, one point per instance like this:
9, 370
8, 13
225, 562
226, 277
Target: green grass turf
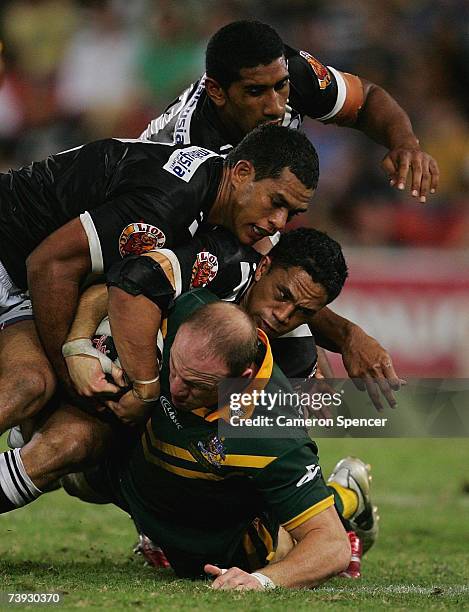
420, 561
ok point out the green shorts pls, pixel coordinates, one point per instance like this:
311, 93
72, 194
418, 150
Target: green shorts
254, 549
251, 550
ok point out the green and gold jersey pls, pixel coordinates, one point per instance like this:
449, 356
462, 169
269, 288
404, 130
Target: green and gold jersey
188, 488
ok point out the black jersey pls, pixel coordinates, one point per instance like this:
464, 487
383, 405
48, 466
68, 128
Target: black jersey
214, 259
217, 261
131, 196
316, 91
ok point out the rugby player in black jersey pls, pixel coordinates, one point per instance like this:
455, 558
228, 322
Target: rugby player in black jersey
91, 206
252, 77
19, 346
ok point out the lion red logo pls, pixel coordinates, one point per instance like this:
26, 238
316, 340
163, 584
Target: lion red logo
204, 270
320, 70
138, 238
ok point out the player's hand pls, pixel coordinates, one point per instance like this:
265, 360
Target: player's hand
370, 367
129, 409
88, 378
322, 386
423, 169
316, 384
233, 578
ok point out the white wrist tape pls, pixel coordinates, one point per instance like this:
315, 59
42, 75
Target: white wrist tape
264, 580
84, 346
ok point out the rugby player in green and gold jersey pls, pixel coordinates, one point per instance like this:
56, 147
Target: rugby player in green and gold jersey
216, 503
288, 291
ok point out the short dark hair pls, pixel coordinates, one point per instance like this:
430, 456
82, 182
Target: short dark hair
271, 148
318, 254
228, 333
241, 44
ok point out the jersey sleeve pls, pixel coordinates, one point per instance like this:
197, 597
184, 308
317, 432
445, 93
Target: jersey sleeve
316, 90
323, 92
126, 225
293, 486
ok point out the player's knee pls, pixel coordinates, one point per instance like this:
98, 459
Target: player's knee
41, 382
76, 450
62, 449
82, 446
27, 388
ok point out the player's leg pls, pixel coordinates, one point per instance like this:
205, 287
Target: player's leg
68, 441
350, 482
77, 485
27, 381
97, 485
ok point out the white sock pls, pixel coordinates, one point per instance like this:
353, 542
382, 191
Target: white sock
14, 481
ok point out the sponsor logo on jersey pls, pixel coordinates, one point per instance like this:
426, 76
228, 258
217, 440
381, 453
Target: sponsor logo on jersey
170, 411
319, 69
212, 450
182, 129
311, 473
138, 238
204, 270
184, 162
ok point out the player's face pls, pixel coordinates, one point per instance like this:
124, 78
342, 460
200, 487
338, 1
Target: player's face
282, 299
193, 375
262, 208
259, 96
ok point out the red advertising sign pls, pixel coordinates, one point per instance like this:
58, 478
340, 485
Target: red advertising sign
416, 303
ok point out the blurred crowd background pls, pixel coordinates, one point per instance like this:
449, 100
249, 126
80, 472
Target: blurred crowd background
79, 70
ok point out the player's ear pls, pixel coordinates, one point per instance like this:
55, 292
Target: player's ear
264, 266
248, 372
215, 92
243, 171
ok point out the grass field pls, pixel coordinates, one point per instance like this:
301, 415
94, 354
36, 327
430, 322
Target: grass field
420, 561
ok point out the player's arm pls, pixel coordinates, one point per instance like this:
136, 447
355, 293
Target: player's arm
59, 265
372, 110
294, 490
322, 550
143, 288
368, 364
332, 96
91, 310
87, 366
55, 270
385, 121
